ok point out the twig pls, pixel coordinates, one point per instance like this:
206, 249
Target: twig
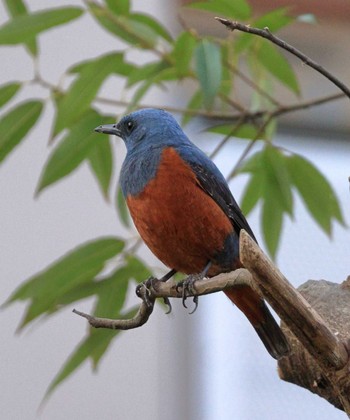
265, 33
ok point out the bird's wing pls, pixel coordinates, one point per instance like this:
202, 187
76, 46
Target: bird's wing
214, 184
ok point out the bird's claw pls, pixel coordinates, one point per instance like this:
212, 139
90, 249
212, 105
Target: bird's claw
188, 289
167, 302
144, 291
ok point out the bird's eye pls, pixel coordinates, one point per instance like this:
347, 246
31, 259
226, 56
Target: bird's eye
129, 126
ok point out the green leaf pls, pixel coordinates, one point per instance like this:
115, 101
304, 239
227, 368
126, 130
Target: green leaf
238, 9
119, 7
80, 354
272, 220
274, 20
153, 24
8, 91
194, 103
120, 66
252, 193
244, 131
208, 68
76, 268
270, 182
112, 297
125, 27
89, 345
168, 74
73, 149
143, 32
183, 52
278, 181
18, 8
278, 66
142, 73
122, 208
24, 27
101, 162
84, 89
254, 164
315, 191
16, 124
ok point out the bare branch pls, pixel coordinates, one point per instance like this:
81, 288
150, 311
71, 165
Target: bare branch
160, 289
265, 33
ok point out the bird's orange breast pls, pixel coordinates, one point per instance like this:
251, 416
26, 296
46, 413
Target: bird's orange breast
181, 224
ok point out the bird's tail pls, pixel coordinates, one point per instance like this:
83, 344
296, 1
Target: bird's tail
258, 314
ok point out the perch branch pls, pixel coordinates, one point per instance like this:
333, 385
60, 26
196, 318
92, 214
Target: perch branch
265, 33
313, 335
292, 308
168, 289
289, 304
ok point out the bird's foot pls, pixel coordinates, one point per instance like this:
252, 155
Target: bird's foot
188, 289
144, 291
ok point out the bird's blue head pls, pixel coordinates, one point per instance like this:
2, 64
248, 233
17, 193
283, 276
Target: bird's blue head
145, 129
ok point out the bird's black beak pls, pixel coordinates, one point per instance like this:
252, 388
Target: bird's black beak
109, 129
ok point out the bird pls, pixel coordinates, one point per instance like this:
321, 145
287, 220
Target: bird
184, 211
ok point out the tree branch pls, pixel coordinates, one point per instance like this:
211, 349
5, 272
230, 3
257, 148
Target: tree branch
265, 33
305, 323
304, 326
160, 289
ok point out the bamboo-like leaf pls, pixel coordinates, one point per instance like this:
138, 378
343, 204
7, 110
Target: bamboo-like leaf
253, 193
73, 149
119, 7
274, 20
112, 297
183, 52
24, 27
244, 131
17, 8
84, 89
315, 191
92, 343
16, 124
78, 267
79, 355
168, 74
153, 24
101, 162
142, 73
8, 91
122, 208
125, 27
272, 220
238, 9
194, 103
208, 68
273, 60
278, 181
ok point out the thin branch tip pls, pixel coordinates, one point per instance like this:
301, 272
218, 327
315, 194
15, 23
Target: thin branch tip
267, 34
